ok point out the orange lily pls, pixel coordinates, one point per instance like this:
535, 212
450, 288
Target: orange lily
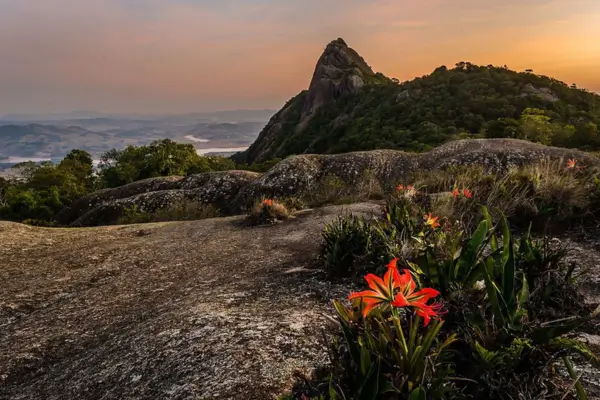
267, 202
407, 297
382, 290
455, 192
427, 311
571, 163
431, 221
468, 194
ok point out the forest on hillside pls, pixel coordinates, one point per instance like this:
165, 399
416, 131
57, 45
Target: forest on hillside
466, 101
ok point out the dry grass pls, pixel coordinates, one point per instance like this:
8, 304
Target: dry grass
331, 189
181, 211
541, 193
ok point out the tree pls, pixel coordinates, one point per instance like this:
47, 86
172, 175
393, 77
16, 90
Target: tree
535, 126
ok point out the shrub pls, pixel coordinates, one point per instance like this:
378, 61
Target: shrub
384, 349
512, 309
185, 210
268, 211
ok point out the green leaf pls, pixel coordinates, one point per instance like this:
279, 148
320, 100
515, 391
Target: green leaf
508, 268
492, 290
468, 257
523, 296
417, 394
486, 355
488, 218
581, 395
555, 329
370, 387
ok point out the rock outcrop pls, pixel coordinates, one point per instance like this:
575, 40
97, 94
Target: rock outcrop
340, 70
233, 191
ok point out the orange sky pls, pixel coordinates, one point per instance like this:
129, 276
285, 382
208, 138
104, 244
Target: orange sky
200, 55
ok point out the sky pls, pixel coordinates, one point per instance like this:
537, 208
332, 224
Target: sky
155, 56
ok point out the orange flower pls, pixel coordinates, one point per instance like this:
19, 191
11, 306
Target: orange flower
398, 290
468, 194
267, 202
571, 163
455, 192
382, 290
428, 311
431, 220
407, 297
400, 188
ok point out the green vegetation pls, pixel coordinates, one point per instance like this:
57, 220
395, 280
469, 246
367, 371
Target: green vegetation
179, 211
546, 195
509, 304
467, 101
45, 189
159, 158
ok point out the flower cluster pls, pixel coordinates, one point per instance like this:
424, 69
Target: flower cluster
401, 188
572, 164
397, 289
465, 192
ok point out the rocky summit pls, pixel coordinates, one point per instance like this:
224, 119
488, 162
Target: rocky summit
339, 71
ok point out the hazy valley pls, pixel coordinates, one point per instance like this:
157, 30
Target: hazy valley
43, 137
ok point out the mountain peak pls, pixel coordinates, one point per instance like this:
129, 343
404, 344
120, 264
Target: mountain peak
339, 70
338, 42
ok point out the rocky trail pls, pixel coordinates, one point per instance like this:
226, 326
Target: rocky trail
181, 310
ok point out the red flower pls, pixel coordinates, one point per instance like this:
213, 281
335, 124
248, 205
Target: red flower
398, 290
468, 194
400, 188
267, 202
428, 311
431, 221
409, 187
382, 290
455, 192
571, 163
407, 297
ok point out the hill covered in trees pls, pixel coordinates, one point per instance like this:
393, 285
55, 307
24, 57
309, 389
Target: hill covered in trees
464, 101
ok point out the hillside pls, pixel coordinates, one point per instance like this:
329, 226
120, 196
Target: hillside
460, 102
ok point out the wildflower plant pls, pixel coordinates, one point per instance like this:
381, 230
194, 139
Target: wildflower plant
268, 211
388, 340
499, 294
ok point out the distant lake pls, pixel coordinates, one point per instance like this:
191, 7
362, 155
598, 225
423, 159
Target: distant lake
195, 139
221, 150
16, 160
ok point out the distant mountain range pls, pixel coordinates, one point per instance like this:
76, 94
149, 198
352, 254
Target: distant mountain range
52, 136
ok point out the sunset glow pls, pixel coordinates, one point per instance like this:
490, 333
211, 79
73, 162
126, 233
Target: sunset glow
201, 55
